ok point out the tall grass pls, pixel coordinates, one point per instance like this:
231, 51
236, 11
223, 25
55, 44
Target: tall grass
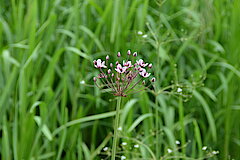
49, 108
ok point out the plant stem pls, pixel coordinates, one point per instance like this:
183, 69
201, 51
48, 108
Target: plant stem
115, 137
181, 119
157, 122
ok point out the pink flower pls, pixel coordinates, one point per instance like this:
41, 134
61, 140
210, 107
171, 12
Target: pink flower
135, 54
129, 52
153, 79
119, 54
141, 63
144, 73
120, 69
150, 65
122, 79
99, 63
128, 64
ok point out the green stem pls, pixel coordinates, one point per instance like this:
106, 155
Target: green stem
181, 118
115, 137
157, 135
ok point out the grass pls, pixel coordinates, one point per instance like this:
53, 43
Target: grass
49, 108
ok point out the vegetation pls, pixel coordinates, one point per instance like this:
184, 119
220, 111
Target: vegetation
50, 108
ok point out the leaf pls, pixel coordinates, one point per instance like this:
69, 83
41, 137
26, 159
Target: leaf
78, 52
126, 110
44, 128
208, 114
139, 120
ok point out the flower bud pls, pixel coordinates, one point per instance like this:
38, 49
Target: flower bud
112, 74
150, 65
119, 54
94, 79
135, 54
143, 82
153, 79
107, 57
111, 65
129, 52
95, 62
117, 63
109, 71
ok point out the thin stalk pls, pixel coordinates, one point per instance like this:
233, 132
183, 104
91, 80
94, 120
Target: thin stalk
181, 119
157, 122
115, 136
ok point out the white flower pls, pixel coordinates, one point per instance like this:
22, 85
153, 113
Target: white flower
169, 150
177, 142
120, 69
144, 36
144, 73
123, 157
204, 148
135, 54
136, 146
127, 64
124, 143
105, 149
179, 90
82, 82
139, 32
215, 152
141, 63
99, 63
120, 128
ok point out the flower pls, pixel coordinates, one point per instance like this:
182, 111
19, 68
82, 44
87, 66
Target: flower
119, 128
105, 149
127, 64
123, 157
123, 78
135, 54
153, 79
144, 73
82, 82
120, 69
179, 90
129, 52
169, 150
204, 148
136, 146
119, 54
150, 65
140, 32
177, 142
124, 143
142, 63
99, 63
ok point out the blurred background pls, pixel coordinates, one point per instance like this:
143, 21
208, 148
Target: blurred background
49, 108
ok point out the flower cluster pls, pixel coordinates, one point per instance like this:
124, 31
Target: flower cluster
123, 77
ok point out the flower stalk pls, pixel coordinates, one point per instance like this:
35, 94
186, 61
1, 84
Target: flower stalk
116, 125
122, 79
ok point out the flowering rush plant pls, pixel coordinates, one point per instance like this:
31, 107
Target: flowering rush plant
122, 78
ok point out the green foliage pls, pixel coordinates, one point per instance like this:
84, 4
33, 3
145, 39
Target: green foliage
50, 109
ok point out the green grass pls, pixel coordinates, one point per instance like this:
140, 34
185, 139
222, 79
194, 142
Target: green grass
46, 51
